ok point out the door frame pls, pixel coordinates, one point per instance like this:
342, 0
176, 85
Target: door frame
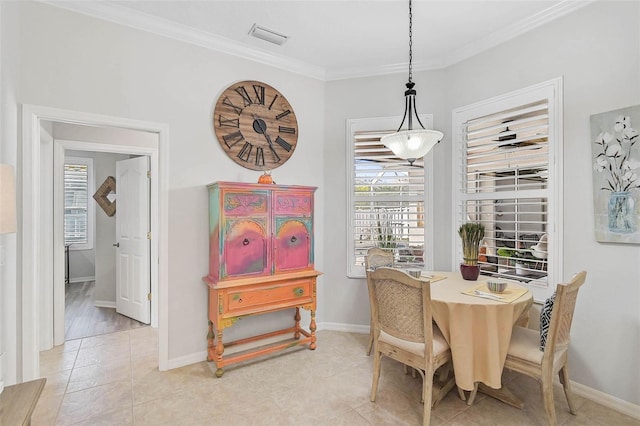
34, 225
59, 289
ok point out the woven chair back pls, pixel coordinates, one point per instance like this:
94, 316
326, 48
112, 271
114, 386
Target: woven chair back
562, 313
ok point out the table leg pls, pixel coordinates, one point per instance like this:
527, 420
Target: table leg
296, 317
210, 337
219, 352
312, 329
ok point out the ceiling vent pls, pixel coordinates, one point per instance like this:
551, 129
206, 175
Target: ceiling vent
267, 35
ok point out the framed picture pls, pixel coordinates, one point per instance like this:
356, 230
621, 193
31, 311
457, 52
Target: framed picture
616, 166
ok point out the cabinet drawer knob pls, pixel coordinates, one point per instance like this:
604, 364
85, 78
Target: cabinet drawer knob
245, 242
294, 239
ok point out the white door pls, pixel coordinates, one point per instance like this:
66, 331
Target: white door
133, 280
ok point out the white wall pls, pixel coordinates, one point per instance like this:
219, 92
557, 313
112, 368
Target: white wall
69, 61
596, 50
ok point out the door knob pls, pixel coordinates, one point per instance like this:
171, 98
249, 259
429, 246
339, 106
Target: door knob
116, 245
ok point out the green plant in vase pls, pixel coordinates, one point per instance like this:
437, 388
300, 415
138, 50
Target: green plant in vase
471, 234
385, 235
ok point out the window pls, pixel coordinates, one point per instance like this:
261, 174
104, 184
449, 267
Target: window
507, 150
78, 209
386, 197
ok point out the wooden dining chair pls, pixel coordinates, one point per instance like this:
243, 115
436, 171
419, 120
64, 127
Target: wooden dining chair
525, 354
376, 257
403, 330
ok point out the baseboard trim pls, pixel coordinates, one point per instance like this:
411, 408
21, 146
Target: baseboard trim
104, 304
609, 401
185, 360
347, 328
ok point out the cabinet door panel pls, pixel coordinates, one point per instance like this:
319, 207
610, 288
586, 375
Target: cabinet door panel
246, 248
293, 245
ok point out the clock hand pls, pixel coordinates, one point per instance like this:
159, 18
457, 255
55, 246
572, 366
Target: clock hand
261, 128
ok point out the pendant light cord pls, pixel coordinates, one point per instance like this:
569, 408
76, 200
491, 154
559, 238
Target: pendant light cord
410, 41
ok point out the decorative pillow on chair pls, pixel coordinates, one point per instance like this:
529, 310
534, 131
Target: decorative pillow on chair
545, 320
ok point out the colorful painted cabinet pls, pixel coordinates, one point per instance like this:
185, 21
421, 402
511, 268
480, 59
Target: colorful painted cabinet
260, 260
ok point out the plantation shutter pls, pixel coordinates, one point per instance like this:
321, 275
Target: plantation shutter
503, 183
76, 198
388, 202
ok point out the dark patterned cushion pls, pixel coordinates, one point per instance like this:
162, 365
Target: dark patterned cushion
545, 320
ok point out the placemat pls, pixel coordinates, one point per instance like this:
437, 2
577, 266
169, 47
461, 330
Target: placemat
432, 278
510, 294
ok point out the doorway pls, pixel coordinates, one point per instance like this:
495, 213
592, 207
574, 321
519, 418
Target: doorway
42, 327
107, 249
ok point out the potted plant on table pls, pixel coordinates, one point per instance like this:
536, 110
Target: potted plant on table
471, 234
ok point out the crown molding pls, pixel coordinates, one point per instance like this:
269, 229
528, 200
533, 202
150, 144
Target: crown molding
141, 21
514, 30
166, 28
361, 72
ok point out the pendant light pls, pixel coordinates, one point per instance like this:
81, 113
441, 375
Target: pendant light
411, 143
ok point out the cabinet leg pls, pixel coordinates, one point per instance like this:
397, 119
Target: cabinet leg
219, 352
312, 329
296, 317
210, 337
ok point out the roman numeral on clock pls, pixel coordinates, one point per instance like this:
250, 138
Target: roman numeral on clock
232, 138
284, 129
245, 152
259, 156
284, 144
283, 114
228, 122
230, 104
259, 91
273, 101
245, 96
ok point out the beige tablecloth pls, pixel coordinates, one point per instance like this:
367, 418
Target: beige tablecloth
478, 330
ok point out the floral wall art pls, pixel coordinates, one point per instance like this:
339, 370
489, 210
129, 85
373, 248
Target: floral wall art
616, 169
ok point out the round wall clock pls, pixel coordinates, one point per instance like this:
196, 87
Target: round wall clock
255, 125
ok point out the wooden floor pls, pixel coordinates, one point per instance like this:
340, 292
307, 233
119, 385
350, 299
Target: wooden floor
83, 319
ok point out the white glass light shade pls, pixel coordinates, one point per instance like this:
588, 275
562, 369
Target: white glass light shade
7, 199
412, 144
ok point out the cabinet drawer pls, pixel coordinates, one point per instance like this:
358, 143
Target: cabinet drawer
269, 297
237, 203
293, 203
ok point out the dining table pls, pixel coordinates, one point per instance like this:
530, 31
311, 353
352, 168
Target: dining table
477, 324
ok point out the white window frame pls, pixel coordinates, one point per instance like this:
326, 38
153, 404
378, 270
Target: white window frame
90, 202
551, 90
354, 126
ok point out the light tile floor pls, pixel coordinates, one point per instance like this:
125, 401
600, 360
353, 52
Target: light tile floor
114, 380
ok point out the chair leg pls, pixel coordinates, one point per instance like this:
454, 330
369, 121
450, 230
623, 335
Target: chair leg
376, 375
370, 343
427, 395
472, 395
461, 393
547, 397
566, 384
